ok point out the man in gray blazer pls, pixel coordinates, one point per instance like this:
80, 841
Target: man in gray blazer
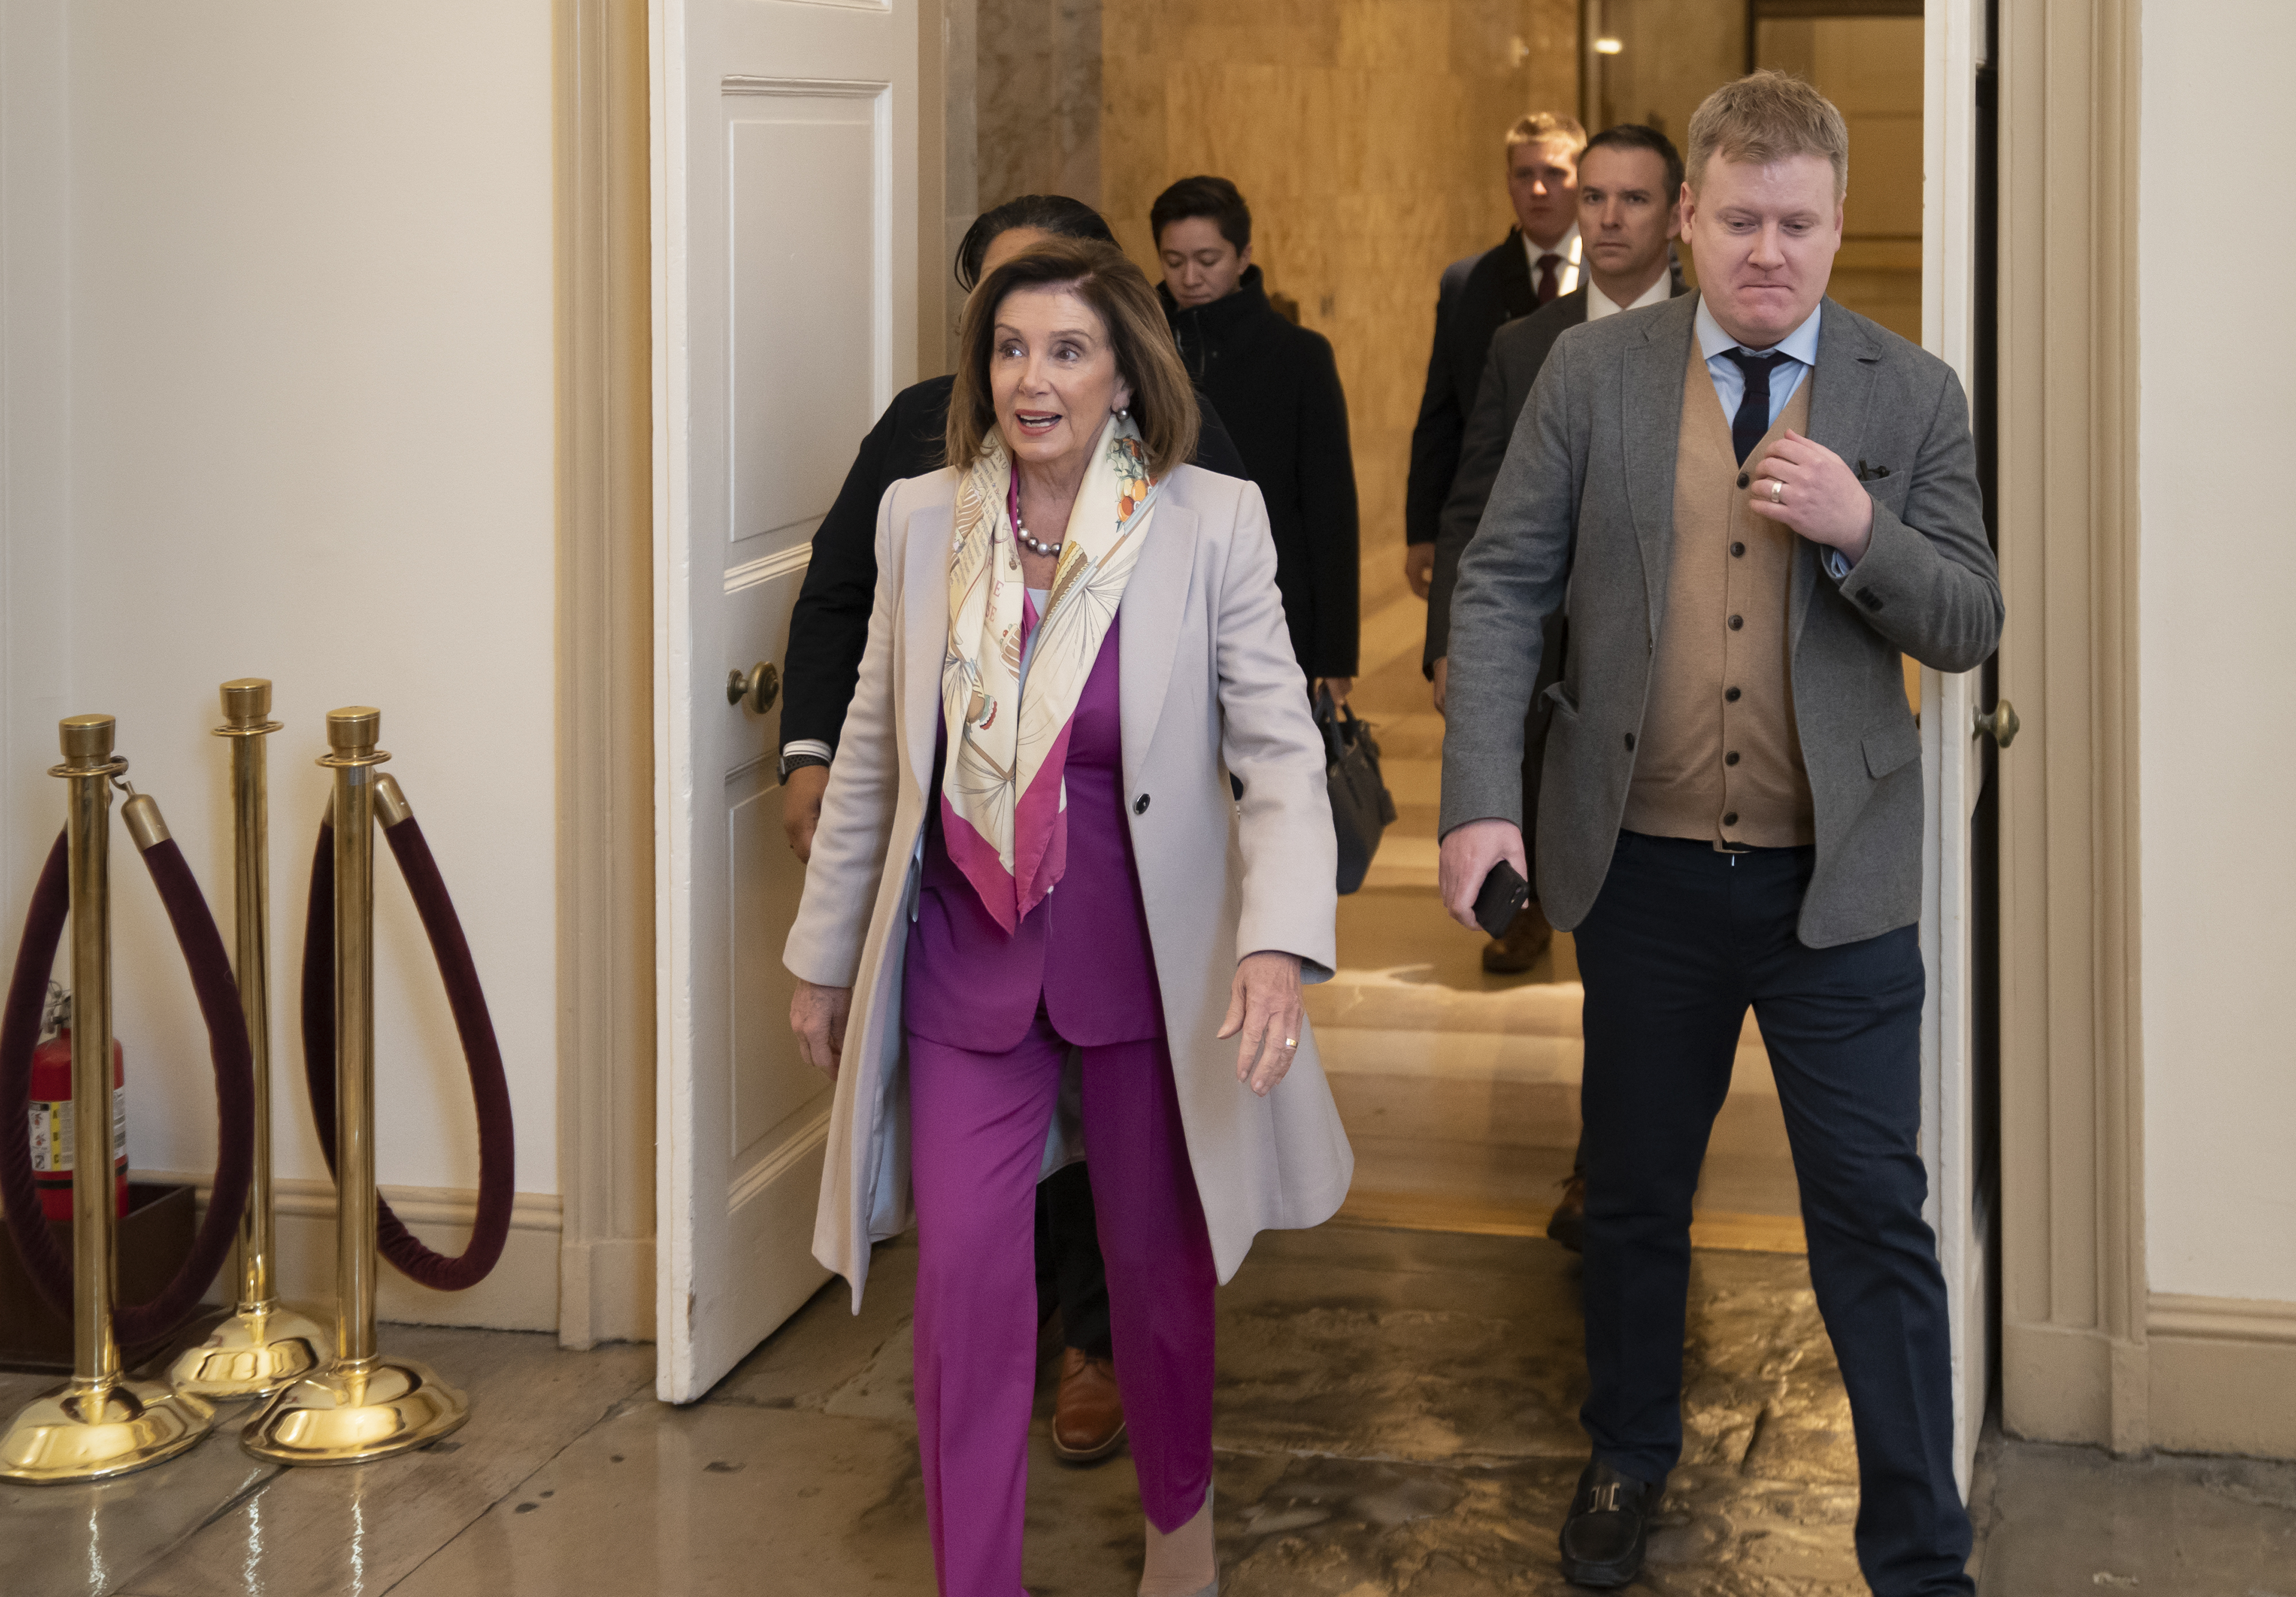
1753, 500
1629, 215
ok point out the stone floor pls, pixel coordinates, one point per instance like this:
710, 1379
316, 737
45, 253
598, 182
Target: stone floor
1395, 1416
1460, 1089
1396, 1394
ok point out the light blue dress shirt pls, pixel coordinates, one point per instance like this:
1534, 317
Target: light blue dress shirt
1799, 348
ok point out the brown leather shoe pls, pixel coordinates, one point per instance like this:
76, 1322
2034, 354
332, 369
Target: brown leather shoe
1568, 1224
1518, 949
1088, 1413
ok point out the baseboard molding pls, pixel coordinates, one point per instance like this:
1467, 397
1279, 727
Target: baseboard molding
2223, 1375
2221, 1318
2213, 1375
2057, 1383
606, 1291
522, 1294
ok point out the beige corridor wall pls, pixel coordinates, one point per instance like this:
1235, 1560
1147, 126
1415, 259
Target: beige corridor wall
2217, 698
1368, 136
307, 358
2218, 671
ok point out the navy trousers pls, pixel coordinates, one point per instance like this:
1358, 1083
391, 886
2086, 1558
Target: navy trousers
1071, 1274
1680, 941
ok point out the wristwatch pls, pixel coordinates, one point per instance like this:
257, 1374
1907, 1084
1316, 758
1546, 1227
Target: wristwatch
799, 758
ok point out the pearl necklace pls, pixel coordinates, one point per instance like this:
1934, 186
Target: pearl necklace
1020, 532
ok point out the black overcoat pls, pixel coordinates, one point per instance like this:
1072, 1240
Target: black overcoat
1278, 388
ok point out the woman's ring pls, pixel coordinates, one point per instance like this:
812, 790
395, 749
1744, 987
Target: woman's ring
1777, 492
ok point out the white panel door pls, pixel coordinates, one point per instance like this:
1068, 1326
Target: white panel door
785, 200
1960, 1206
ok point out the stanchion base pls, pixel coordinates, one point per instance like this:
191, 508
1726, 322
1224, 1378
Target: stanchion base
91, 1433
255, 1352
355, 1412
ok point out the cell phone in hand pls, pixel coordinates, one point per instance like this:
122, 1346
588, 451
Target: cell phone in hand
1504, 893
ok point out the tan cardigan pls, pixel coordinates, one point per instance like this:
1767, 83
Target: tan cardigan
1720, 759
1207, 686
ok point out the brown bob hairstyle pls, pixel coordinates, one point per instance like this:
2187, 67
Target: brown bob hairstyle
1163, 401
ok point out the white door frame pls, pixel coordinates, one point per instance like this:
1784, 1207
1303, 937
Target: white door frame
788, 219
1958, 1208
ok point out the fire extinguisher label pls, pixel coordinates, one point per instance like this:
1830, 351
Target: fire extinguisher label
52, 1136
52, 1126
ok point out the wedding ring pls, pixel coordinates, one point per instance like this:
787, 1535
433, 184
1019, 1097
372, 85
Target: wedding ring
1290, 1041
1777, 492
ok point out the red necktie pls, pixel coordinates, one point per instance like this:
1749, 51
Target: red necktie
1550, 277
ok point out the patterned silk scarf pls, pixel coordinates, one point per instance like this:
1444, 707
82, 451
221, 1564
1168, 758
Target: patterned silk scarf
1004, 801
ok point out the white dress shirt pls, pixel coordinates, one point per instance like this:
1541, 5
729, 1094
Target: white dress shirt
1567, 247
1600, 304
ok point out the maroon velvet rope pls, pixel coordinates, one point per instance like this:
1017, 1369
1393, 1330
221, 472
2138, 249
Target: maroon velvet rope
234, 1078
489, 1088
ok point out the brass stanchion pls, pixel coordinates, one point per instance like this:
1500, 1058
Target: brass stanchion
100, 1423
263, 1345
365, 1407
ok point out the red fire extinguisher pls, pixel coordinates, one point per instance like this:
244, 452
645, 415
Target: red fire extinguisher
52, 1111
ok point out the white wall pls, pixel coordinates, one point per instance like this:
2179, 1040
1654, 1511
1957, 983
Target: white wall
2219, 651
279, 402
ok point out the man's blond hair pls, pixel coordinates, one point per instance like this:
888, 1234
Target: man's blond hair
1546, 127
1768, 116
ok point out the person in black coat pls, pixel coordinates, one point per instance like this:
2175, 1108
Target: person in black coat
1536, 263
829, 632
1279, 388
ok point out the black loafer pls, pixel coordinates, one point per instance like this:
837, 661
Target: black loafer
1607, 1532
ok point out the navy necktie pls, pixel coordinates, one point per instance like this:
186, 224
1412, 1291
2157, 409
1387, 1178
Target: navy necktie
1754, 417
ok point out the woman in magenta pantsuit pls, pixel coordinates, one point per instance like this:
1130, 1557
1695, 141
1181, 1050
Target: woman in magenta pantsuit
1077, 641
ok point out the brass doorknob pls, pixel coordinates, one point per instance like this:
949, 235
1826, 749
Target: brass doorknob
2002, 724
759, 687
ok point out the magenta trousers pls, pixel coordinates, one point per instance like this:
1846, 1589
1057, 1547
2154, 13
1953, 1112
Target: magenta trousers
978, 1127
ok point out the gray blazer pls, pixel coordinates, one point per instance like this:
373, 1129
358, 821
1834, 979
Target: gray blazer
1518, 350
1582, 516
1208, 685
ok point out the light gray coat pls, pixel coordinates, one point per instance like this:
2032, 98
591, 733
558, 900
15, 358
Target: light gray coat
1582, 516
1207, 685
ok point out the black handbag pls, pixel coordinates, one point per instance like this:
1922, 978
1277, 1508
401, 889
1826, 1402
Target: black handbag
1361, 806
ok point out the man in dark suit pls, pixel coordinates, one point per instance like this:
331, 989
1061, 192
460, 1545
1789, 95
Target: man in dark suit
1630, 180
1629, 187
1536, 263
1731, 810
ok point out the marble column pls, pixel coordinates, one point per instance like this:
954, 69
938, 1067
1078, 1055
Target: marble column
1369, 138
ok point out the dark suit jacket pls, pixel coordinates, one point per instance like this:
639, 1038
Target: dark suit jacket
1518, 350
1479, 295
1583, 508
829, 629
